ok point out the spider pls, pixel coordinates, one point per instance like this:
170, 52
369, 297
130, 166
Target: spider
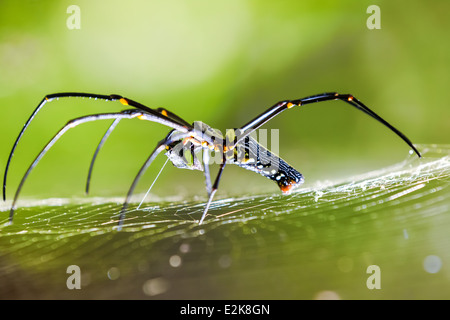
237, 147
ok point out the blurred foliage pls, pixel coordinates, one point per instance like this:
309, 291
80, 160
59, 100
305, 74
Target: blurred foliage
221, 62
224, 62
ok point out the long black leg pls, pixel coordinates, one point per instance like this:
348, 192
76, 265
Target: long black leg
213, 191
127, 114
164, 119
287, 104
173, 116
100, 145
159, 148
38, 108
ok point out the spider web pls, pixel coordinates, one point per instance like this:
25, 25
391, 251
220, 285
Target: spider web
48, 235
61, 216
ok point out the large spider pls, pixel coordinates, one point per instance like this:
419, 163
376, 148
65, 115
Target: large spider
237, 147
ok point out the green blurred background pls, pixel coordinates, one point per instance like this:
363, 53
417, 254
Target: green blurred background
224, 62
221, 62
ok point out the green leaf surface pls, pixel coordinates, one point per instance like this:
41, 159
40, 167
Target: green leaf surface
315, 243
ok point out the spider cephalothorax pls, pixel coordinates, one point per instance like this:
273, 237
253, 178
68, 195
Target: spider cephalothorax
246, 153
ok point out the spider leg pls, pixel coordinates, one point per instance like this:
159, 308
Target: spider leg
173, 122
100, 145
213, 191
287, 104
126, 114
173, 116
33, 114
206, 170
158, 149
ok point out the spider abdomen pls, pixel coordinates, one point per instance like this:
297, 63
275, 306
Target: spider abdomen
251, 155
